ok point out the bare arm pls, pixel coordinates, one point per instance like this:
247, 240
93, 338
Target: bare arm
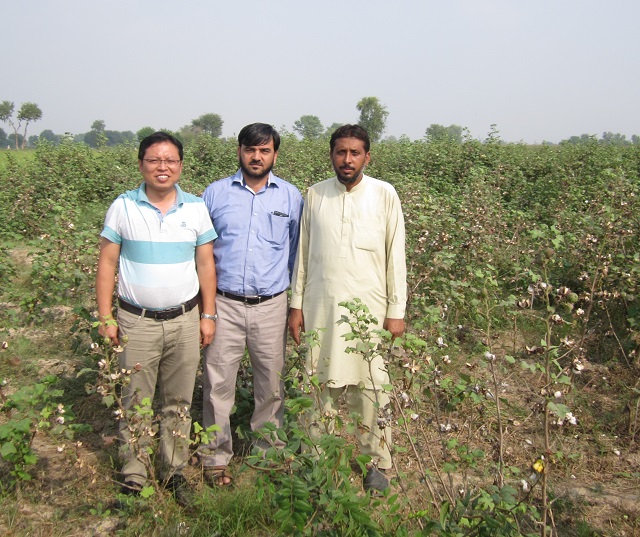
207, 277
105, 284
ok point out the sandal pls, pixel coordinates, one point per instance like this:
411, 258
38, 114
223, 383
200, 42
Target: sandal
217, 476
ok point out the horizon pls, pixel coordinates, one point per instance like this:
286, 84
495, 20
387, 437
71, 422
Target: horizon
541, 72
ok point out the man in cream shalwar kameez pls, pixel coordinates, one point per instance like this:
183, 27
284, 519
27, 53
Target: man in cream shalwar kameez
352, 245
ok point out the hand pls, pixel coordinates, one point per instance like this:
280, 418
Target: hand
296, 324
109, 328
207, 331
395, 326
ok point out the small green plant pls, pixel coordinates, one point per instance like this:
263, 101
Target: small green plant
100, 510
31, 409
61, 267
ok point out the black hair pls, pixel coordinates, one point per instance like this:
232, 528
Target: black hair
156, 138
351, 131
258, 134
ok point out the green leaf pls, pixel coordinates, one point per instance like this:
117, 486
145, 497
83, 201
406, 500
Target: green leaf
558, 409
7, 449
302, 506
449, 467
30, 459
147, 492
85, 370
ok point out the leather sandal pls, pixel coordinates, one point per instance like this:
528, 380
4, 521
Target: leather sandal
218, 476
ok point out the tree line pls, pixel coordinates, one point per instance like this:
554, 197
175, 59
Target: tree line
373, 117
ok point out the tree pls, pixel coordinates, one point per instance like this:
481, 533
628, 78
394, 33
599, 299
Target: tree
99, 126
610, 138
48, 135
28, 113
209, 123
309, 127
440, 133
6, 113
97, 136
119, 137
3, 138
187, 133
373, 117
582, 139
332, 128
144, 132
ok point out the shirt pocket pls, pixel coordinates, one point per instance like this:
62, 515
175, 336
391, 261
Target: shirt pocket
368, 235
277, 230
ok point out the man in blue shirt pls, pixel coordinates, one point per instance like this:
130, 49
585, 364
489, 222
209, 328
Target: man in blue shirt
257, 217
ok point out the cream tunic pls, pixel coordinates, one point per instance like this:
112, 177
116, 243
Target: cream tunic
352, 245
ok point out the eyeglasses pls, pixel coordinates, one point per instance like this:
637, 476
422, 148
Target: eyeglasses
171, 162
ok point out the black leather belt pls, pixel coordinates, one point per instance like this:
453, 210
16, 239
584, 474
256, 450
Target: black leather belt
160, 315
251, 300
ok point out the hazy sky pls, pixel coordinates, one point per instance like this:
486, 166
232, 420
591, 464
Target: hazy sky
538, 69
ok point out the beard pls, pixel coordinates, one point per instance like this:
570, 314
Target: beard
349, 180
246, 172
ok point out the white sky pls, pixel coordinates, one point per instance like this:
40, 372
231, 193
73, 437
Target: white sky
538, 69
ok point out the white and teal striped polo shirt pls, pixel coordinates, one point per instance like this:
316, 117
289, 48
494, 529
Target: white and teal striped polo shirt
157, 268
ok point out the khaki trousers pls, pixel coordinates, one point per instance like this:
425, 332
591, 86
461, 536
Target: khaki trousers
169, 354
262, 329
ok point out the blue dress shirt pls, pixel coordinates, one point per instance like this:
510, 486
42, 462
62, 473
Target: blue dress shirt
257, 234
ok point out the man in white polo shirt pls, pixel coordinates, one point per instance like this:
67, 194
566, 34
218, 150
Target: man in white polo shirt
160, 239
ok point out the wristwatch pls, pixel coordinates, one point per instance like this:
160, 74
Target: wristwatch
213, 317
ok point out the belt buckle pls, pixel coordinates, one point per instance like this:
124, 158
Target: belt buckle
166, 315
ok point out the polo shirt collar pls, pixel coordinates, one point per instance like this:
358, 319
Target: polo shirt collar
141, 195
